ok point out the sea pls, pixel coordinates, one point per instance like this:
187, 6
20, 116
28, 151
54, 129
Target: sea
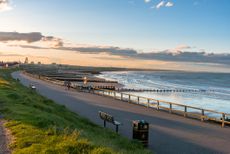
211, 90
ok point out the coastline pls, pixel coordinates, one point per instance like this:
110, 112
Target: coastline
188, 130
178, 92
77, 77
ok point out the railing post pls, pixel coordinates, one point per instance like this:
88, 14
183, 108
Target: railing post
138, 100
158, 104
185, 111
223, 120
170, 109
202, 116
129, 99
148, 102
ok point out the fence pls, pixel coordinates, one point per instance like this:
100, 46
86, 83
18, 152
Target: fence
180, 109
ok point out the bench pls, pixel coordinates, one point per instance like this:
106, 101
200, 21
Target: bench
109, 118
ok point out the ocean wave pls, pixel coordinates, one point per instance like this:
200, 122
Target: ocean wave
215, 85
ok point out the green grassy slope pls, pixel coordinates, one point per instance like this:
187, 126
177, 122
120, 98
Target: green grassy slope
39, 125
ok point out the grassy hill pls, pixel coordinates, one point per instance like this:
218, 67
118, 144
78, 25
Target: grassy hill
39, 125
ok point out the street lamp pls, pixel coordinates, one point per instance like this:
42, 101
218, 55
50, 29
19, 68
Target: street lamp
85, 80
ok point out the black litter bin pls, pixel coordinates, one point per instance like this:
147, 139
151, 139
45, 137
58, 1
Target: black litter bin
141, 131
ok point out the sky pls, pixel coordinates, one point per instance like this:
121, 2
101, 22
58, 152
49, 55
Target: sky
171, 34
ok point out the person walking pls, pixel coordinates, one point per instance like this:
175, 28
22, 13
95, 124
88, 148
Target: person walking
68, 85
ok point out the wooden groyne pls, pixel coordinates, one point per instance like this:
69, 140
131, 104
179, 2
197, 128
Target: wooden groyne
82, 80
163, 90
57, 82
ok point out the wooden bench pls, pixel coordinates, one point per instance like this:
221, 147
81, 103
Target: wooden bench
109, 118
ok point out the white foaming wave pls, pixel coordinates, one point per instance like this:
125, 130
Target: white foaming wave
215, 98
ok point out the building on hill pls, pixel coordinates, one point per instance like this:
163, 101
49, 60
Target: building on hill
26, 60
9, 64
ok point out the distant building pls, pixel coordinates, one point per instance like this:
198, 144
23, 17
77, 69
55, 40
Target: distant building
9, 64
26, 61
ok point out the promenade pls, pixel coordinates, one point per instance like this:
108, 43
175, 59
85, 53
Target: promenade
169, 133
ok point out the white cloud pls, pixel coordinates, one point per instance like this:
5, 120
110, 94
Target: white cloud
182, 47
169, 4
5, 5
161, 4
147, 1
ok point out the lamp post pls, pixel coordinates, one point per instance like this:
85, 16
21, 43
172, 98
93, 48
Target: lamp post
85, 80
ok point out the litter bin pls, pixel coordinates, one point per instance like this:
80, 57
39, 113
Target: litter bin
141, 131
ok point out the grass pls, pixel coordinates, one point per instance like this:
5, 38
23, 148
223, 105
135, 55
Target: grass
39, 125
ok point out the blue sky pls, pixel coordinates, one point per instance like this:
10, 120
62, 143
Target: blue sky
126, 23
129, 26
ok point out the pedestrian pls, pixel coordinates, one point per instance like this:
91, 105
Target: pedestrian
68, 85
65, 85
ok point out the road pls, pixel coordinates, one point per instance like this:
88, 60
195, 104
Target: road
168, 133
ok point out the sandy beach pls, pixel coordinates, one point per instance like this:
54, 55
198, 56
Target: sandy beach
168, 133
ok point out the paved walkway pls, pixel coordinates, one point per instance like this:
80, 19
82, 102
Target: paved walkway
168, 133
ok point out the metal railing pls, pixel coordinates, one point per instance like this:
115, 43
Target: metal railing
176, 108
